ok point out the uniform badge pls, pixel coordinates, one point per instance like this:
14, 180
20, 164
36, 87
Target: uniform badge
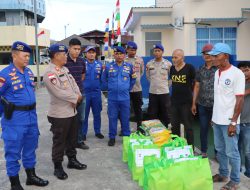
97, 76
15, 87
65, 84
53, 81
2, 81
21, 86
14, 69
12, 74
125, 78
14, 78
134, 75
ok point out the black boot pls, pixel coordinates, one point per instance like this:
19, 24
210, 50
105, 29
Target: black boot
111, 142
33, 179
75, 164
59, 172
15, 183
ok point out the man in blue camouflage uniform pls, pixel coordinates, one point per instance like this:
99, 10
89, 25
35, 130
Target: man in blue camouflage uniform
119, 78
92, 89
19, 121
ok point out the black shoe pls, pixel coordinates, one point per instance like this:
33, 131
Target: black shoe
75, 164
111, 142
120, 134
60, 174
33, 179
82, 145
99, 136
15, 183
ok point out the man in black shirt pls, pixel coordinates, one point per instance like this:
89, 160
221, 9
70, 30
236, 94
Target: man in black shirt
182, 76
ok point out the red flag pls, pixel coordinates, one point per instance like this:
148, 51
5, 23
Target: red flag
41, 33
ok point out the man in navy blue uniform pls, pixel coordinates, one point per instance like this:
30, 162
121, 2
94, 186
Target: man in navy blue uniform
19, 121
92, 89
119, 78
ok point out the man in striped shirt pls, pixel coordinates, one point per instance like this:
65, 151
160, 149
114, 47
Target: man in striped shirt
76, 65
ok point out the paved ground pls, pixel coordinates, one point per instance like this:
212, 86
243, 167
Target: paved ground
105, 170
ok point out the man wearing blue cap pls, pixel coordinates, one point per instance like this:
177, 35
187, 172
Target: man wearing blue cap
136, 92
64, 98
118, 78
157, 72
229, 89
19, 121
92, 89
76, 65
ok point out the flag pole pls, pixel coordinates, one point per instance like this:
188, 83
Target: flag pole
36, 39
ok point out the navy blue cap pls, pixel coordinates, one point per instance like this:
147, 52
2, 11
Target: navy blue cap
21, 46
158, 46
58, 48
119, 49
131, 45
90, 48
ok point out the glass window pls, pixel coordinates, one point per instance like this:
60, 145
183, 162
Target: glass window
2, 17
151, 38
215, 35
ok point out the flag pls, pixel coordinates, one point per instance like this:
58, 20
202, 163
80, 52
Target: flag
113, 30
106, 38
117, 18
41, 33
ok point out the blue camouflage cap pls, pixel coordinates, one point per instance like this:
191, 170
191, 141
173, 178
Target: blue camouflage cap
21, 46
90, 48
58, 48
131, 45
220, 48
119, 49
158, 46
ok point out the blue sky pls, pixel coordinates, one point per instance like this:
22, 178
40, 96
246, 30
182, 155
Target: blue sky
84, 15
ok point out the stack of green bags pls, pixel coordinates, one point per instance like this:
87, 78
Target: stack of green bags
172, 166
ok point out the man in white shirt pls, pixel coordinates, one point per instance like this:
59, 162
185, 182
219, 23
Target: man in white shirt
229, 88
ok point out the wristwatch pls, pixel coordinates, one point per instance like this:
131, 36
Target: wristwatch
233, 123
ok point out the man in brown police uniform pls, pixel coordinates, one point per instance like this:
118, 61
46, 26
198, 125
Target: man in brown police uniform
64, 97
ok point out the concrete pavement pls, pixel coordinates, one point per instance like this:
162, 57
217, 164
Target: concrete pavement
105, 171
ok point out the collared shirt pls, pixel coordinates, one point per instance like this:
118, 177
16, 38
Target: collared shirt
77, 69
157, 74
227, 85
92, 82
63, 91
205, 77
138, 65
118, 80
19, 89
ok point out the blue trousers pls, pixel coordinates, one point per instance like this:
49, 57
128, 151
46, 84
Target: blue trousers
80, 117
227, 151
20, 142
244, 145
93, 101
121, 110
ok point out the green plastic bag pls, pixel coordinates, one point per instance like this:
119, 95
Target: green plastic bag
134, 136
193, 174
139, 151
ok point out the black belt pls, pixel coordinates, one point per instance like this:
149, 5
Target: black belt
25, 108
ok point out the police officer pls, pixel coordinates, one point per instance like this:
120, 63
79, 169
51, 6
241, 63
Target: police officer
19, 121
157, 72
92, 89
119, 78
136, 92
64, 97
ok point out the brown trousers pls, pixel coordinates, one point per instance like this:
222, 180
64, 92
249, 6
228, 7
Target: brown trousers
65, 132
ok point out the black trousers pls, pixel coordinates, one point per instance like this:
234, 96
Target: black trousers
136, 100
159, 107
65, 132
181, 113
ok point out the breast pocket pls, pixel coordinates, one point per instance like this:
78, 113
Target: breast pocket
97, 74
125, 76
64, 83
113, 74
18, 90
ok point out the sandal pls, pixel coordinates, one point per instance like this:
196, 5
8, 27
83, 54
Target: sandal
218, 178
230, 186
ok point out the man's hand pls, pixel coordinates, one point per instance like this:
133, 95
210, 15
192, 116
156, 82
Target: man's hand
79, 100
231, 130
194, 109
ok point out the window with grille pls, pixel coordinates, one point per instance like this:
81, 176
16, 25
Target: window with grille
151, 38
226, 35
